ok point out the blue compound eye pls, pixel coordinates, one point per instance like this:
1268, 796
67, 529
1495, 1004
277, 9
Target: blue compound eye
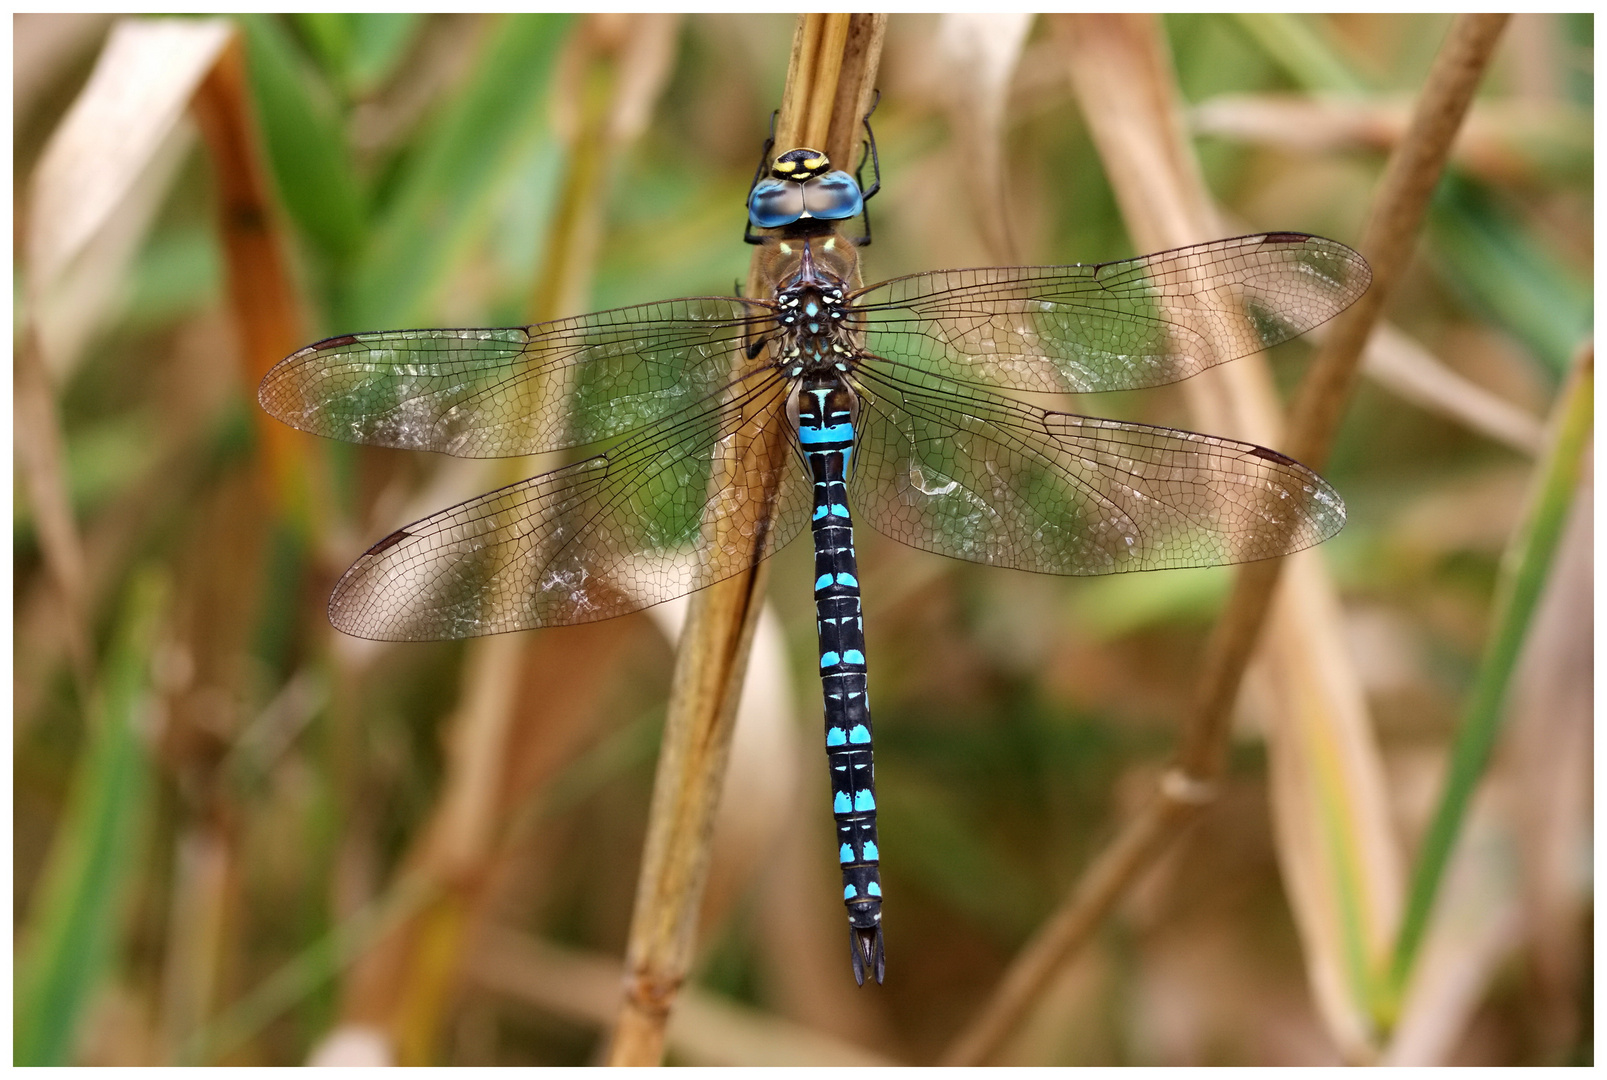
832, 197
775, 203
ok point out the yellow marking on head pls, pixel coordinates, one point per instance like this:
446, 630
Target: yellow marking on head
800, 163
786, 249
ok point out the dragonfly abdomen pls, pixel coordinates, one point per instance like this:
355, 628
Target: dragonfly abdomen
826, 433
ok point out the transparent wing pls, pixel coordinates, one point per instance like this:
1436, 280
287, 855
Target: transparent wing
518, 390
1111, 326
626, 529
978, 477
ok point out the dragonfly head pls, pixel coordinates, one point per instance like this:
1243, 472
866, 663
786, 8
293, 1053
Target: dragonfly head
802, 184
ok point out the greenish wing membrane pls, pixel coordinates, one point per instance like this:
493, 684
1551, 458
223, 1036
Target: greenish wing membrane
1111, 326
631, 527
978, 477
940, 463
516, 390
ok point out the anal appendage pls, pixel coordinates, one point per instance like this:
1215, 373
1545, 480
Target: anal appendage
869, 956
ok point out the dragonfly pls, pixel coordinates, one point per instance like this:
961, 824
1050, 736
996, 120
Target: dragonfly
713, 430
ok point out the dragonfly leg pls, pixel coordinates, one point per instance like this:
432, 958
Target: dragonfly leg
758, 174
868, 154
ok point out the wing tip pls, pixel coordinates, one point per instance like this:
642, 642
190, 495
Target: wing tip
1359, 276
278, 387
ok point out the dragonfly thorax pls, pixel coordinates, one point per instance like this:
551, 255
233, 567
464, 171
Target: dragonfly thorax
812, 316
813, 337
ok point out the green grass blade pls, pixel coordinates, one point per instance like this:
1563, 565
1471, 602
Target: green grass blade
328, 35
1502, 269
379, 41
1530, 558
456, 175
361, 50
306, 148
1295, 45
75, 921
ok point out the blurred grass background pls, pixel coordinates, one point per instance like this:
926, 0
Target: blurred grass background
220, 789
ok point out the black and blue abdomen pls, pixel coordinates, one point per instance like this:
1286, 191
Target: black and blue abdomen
826, 434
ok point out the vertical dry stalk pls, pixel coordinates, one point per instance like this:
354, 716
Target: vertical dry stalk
829, 82
261, 296
1165, 203
196, 933
41, 466
978, 57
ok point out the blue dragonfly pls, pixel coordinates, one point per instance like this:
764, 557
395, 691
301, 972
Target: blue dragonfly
724, 425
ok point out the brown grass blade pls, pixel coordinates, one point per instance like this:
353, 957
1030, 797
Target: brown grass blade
979, 54
116, 139
262, 297
197, 922
1399, 364
1514, 142
92, 196
41, 466
834, 61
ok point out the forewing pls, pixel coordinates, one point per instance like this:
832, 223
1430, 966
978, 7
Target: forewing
978, 477
1111, 326
626, 529
517, 390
